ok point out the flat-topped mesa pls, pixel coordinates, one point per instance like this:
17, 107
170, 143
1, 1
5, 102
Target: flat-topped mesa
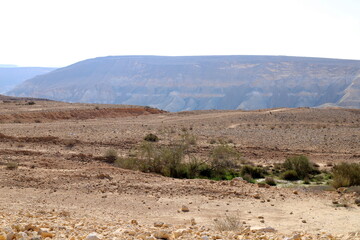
202, 82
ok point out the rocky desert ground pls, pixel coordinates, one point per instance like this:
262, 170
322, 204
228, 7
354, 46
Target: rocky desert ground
63, 189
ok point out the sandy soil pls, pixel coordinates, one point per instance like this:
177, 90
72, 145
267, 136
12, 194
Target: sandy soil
63, 186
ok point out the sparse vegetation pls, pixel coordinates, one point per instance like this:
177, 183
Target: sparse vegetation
270, 181
151, 138
300, 165
254, 172
248, 178
290, 175
12, 166
224, 157
346, 175
175, 161
111, 156
227, 223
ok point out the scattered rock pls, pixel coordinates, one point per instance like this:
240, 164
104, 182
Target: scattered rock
93, 236
184, 209
163, 235
263, 229
134, 222
257, 196
158, 224
357, 201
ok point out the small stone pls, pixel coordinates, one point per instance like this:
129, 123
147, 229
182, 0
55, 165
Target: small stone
46, 234
184, 209
303, 221
193, 222
163, 235
262, 221
10, 236
264, 229
295, 237
158, 224
357, 201
93, 236
134, 222
178, 233
295, 192
257, 196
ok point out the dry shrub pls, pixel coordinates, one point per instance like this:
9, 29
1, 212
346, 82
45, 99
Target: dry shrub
346, 175
12, 166
227, 223
111, 156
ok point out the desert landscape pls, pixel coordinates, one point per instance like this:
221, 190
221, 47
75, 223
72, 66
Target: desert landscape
58, 180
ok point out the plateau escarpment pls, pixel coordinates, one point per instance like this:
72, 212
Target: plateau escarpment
202, 82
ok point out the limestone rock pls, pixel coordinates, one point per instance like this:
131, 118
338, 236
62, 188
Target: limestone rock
93, 236
184, 209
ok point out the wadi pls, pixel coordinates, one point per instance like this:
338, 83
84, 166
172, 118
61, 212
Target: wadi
97, 171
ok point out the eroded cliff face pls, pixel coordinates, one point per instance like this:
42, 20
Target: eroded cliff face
204, 82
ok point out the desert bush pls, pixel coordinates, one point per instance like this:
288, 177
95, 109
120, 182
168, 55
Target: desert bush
127, 163
306, 180
270, 181
150, 158
151, 138
188, 139
301, 165
224, 157
248, 178
110, 156
31, 103
254, 172
172, 159
290, 175
346, 175
227, 223
175, 161
212, 141
12, 166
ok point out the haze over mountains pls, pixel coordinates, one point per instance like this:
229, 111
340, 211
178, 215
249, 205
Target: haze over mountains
202, 82
11, 75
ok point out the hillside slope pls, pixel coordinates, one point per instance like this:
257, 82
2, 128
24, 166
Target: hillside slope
202, 82
12, 76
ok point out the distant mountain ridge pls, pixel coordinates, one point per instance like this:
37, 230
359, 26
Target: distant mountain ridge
11, 75
202, 82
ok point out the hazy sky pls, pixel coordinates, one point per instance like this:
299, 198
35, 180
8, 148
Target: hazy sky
61, 32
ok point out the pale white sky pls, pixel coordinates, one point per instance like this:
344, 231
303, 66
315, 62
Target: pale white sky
61, 32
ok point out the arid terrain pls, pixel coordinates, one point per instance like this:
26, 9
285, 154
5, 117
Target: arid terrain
63, 188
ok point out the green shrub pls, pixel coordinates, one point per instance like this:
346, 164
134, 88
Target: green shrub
151, 138
290, 175
110, 156
270, 181
254, 172
300, 164
346, 175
